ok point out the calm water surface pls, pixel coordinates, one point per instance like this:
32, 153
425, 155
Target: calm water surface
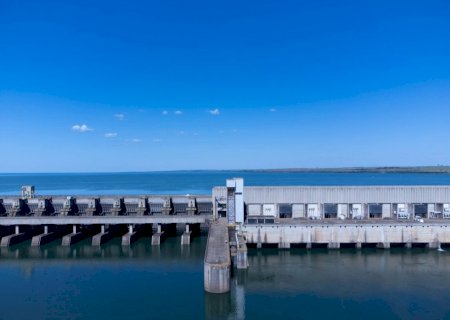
196, 182
144, 282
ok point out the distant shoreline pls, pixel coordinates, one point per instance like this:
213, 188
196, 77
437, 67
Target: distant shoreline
416, 169
425, 169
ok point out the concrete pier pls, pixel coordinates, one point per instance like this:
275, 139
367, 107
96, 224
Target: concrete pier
157, 236
333, 245
44, 238
284, 245
130, 237
241, 254
15, 238
102, 237
434, 245
186, 236
383, 245
217, 260
74, 237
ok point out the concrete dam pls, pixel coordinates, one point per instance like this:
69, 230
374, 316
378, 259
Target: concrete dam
237, 217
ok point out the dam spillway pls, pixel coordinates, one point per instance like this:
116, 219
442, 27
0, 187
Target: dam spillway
285, 217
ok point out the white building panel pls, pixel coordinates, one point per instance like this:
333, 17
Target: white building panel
298, 210
254, 209
269, 210
386, 210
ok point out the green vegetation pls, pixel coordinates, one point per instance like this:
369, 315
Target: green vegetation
424, 169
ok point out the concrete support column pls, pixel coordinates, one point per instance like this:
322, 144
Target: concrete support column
334, 245
102, 237
384, 245
130, 237
156, 237
186, 236
434, 245
15, 238
408, 245
358, 245
73, 238
284, 245
46, 237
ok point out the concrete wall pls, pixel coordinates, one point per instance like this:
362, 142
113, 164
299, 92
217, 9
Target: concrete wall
347, 233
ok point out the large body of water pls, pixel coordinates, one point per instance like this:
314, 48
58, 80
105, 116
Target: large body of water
196, 182
145, 282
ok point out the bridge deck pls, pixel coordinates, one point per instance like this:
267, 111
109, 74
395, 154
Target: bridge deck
87, 220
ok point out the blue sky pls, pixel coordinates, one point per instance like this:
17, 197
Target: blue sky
143, 86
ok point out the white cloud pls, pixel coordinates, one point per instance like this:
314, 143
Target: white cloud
214, 112
81, 128
156, 140
110, 135
136, 140
178, 112
119, 116
165, 113
272, 110
182, 132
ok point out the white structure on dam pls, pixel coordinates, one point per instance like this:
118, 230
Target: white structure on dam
354, 215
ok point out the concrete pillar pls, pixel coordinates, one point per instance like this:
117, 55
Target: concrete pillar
434, 245
258, 239
241, 256
358, 245
130, 237
156, 237
186, 236
309, 245
102, 237
408, 245
284, 245
46, 237
334, 245
15, 238
384, 245
74, 228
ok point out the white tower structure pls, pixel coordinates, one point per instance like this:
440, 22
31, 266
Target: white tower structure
235, 201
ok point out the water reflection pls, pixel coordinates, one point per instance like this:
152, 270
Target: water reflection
167, 282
